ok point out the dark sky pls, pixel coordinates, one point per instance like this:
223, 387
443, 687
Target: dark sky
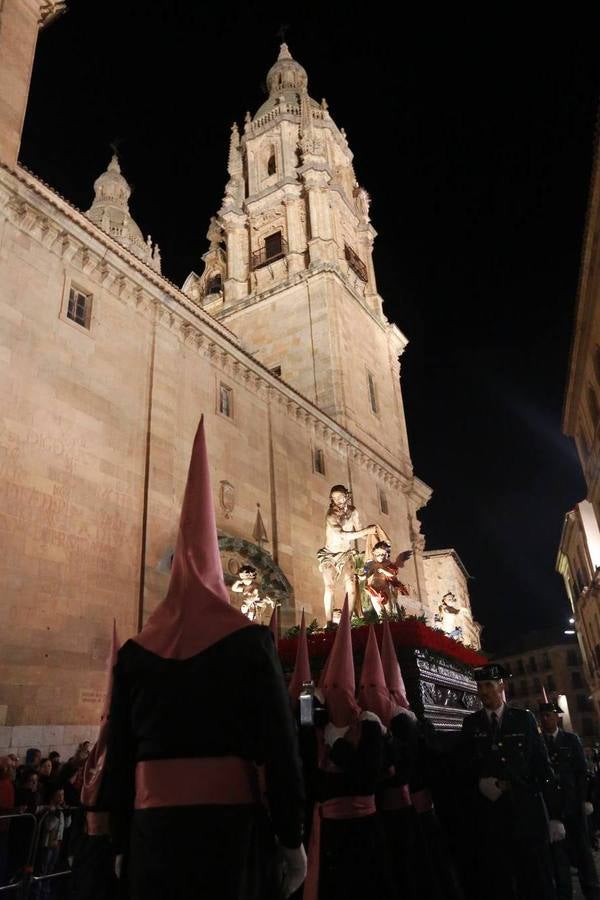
473, 132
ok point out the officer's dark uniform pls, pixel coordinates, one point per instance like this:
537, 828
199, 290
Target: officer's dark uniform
510, 843
568, 762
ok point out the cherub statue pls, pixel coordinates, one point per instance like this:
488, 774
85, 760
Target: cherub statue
254, 606
446, 616
382, 582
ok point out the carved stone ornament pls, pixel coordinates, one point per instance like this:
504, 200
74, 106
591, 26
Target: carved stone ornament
227, 498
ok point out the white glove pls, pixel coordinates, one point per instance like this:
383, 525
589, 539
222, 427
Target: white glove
368, 716
331, 733
118, 864
70, 860
294, 868
588, 808
402, 711
489, 788
556, 830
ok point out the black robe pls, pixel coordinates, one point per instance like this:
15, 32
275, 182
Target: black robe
228, 700
353, 862
400, 825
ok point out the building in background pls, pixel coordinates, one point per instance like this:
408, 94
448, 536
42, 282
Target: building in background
578, 559
550, 661
105, 367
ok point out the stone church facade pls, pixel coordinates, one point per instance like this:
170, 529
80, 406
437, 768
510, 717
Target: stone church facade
106, 366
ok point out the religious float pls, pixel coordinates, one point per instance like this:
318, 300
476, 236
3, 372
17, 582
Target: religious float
437, 670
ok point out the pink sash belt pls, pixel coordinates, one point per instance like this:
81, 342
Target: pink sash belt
195, 782
338, 808
395, 798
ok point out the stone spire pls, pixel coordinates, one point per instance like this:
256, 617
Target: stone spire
234, 189
110, 211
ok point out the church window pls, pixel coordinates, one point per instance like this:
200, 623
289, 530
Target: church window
319, 461
372, 393
214, 284
383, 503
355, 263
593, 406
273, 245
225, 401
79, 308
272, 165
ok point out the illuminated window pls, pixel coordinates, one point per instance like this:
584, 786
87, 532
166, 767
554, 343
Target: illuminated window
319, 462
79, 308
372, 393
225, 401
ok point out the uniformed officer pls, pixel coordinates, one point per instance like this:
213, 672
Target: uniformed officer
505, 772
568, 762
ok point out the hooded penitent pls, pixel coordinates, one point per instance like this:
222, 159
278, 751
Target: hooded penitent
391, 668
196, 612
338, 684
301, 672
373, 693
94, 766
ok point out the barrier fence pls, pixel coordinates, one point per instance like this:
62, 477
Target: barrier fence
28, 883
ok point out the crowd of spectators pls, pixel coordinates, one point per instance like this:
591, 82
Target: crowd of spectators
49, 790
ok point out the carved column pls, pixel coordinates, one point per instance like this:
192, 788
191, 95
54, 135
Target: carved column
296, 228
236, 236
321, 245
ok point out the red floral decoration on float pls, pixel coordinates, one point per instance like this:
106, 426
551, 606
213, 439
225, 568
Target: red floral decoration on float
410, 633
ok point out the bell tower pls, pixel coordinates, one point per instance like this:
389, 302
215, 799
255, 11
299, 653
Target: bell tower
290, 269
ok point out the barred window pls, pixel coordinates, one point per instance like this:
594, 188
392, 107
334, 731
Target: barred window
79, 308
372, 393
319, 461
225, 401
355, 263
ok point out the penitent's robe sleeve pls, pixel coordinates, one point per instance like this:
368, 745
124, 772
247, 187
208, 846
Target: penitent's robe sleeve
283, 769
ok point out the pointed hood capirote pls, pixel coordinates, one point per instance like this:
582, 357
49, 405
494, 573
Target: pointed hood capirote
373, 693
196, 613
339, 684
391, 668
301, 672
94, 764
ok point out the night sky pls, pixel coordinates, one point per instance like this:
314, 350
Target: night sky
473, 132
